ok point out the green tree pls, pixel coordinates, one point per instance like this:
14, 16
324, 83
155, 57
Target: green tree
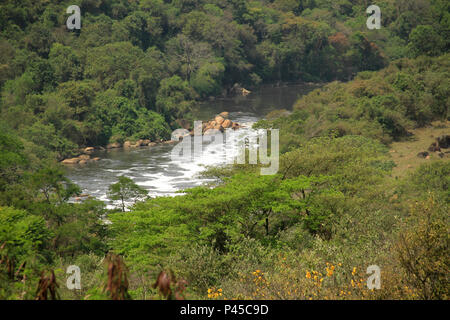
65, 62
208, 79
112, 62
124, 190
424, 40
175, 98
53, 185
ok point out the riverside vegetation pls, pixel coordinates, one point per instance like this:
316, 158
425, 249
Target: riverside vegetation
135, 70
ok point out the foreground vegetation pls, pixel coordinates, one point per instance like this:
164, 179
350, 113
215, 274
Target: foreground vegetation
309, 232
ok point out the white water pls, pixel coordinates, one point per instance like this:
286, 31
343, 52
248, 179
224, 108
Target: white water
152, 167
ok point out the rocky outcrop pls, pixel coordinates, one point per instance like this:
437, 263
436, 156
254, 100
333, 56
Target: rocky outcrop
238, 90
442, 142
71, 161
127, 144
84, 157
220, 122
434, 147
114, 145
423, 155
81, 160
138, 143
227, 124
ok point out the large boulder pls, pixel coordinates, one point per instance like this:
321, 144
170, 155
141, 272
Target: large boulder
89, 150
227, 123
239, 90
209, 126
219, 120
84, 157
224, 114
71, 161
219, 127
128, 144
245, 92
423, 154
443, 141
114, 145
434, 147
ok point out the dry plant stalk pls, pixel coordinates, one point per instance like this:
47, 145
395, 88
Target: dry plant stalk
117, 284
47, 283
7, 261
164, 282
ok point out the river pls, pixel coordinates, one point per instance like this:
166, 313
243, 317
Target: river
153, 168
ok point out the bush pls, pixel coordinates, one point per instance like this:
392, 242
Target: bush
422, 249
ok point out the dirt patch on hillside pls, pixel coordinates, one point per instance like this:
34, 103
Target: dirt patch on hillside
405, 153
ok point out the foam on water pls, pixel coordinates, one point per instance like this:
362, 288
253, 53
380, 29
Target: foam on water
155, 170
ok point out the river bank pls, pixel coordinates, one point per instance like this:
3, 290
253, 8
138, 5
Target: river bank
220, 123
152, 168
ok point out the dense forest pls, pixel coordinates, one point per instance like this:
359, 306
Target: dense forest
136, 69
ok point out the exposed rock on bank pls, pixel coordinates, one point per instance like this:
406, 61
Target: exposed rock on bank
238, 90
81, 159
114, 145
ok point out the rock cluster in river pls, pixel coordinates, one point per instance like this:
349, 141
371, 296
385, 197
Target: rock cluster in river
220, 122
84, 158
